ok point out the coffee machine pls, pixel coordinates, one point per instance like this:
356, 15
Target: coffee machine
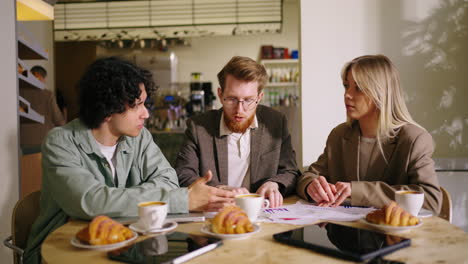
197, 101
201, 95
197, 95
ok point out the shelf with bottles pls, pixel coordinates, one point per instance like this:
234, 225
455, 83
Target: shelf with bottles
286, 96
282, 72
279, 61
281, 84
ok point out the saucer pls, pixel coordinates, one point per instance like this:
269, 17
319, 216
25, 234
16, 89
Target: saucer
425, 213
167, 226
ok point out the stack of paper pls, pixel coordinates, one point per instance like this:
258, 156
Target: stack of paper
303, 213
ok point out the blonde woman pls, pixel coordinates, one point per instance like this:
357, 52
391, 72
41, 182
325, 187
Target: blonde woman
379, 150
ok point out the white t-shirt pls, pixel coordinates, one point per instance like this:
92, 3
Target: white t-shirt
367, 146
108, 152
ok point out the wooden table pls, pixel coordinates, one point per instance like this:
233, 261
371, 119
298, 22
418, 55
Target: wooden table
436, 241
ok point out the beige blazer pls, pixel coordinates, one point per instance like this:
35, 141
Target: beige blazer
272, 157
410, 167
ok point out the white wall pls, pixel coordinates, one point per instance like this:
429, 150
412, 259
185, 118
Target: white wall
9, 182
332, 32
427, 41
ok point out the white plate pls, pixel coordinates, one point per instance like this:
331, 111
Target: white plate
392, 229
77, 243
207, 230
425, 213
209, 215
167, 226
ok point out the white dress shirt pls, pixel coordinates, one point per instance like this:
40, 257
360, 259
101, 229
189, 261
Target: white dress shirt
238, 153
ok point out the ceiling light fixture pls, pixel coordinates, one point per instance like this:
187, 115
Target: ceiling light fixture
148, 17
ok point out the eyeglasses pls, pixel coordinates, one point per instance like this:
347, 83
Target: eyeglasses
247, 104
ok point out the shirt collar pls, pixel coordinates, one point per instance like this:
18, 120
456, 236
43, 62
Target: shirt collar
225, 131
88, 142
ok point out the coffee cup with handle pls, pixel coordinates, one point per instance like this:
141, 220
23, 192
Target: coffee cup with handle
252, 204
152, 214
409, 200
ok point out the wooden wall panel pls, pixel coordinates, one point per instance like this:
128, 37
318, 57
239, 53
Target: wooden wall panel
31, 173
71, 60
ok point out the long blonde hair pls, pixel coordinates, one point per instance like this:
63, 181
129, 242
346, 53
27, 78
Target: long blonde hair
378, 78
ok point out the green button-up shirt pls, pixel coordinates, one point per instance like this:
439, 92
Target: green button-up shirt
77, 181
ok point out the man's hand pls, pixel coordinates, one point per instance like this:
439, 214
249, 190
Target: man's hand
321, 191
235, 190
206, 198
271, 191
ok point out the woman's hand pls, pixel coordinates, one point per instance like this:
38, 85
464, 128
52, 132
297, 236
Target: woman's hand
321, 191
343, 191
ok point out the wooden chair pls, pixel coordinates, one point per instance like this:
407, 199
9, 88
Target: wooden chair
24, 214
446, 211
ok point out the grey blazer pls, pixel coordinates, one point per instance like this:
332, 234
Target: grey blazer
409, 167
272, 157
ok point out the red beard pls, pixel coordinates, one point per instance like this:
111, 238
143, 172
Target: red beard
237, 127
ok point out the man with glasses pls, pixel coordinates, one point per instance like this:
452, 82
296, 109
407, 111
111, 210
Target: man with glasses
246, 146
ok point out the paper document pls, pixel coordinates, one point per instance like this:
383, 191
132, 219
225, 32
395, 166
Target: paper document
303, 213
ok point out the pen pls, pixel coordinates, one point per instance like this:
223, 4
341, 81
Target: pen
196, 253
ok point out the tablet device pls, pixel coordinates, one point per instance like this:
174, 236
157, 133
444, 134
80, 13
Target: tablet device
344, 242
173, 248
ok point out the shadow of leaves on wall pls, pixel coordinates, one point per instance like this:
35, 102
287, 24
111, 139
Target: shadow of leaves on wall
439, 100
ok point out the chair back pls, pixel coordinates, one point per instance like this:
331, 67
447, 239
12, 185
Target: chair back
25, 213
446, 211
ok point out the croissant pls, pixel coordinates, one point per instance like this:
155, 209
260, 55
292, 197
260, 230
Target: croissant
231, 220
102, 231
392, 215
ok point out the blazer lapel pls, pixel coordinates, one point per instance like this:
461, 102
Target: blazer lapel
255, 145
221, 155
350, 152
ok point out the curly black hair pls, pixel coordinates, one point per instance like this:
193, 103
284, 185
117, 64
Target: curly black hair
108, 86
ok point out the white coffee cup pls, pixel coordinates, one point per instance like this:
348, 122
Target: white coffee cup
411, 201
252, 204
152, 214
